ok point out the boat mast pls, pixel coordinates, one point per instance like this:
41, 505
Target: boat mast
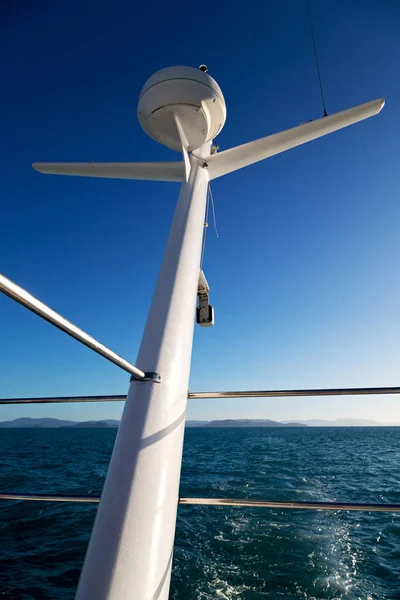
131, 547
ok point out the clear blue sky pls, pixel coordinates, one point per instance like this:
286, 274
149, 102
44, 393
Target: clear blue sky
305, 278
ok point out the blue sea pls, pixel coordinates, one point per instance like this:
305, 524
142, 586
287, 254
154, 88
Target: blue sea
220, 553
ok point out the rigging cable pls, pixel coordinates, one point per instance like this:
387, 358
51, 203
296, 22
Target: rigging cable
210, 198
205, 226
213, 211
316, 58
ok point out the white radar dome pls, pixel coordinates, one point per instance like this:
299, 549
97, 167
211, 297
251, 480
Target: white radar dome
183, 94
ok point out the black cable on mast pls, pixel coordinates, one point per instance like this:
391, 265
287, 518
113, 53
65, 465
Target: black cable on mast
316, 58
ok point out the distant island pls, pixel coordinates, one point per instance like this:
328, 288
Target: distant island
306, 423
248, 423
41, 423
50, 423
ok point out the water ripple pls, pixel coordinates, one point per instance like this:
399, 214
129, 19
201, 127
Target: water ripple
220, 553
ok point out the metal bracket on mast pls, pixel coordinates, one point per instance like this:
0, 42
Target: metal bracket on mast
149, 376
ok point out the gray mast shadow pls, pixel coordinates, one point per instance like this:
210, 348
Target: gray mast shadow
163, 578
159, 435
113, 543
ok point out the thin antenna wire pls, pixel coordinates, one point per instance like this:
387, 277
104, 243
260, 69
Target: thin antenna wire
205, 226
316, 58
213, 211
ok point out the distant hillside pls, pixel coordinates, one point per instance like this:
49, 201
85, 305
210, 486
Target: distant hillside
28, 423
96, 424
348, 423
53, 423
44, 422
251, 423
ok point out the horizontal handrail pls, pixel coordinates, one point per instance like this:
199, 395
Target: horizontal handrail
49, 498
292, 505
203, 395
288, 393
15, 292
63, 399
245, 502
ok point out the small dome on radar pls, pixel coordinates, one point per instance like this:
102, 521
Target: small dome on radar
182, 106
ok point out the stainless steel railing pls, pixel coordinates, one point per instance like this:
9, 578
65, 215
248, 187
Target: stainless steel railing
233, 502
202, 395
288, 393
63, 399
23, 297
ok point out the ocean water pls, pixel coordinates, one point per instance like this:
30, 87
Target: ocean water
220, 553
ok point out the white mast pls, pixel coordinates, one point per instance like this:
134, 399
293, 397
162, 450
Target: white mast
130, 551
